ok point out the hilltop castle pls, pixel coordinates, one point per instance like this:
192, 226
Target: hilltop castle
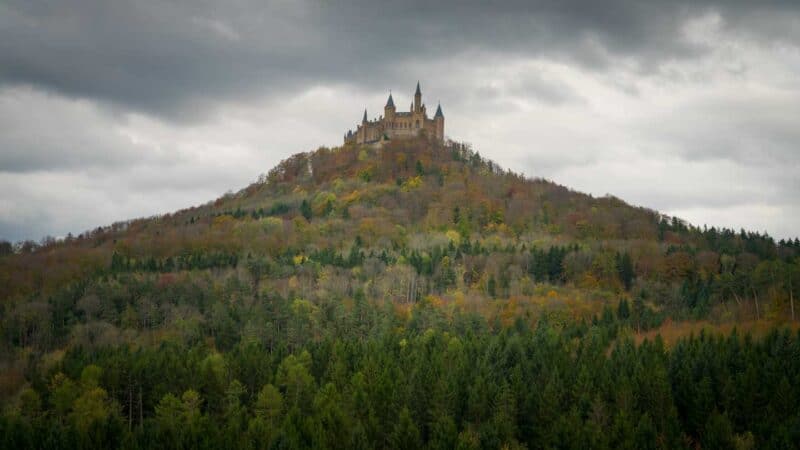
398, 125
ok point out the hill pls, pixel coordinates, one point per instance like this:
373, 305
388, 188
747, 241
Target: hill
414, 294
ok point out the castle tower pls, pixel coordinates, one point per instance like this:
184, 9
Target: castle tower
438, 120
362, 130
389, 110
418, 99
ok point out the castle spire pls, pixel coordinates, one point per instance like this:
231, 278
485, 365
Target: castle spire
438, 111
365, 115
390, 102
417, 100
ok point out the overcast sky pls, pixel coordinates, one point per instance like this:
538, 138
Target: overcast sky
116, 110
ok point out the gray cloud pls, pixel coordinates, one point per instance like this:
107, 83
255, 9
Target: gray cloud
177, 58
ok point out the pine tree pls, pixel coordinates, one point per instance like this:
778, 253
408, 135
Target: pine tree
305, 209
405, 434
623, 310
625, 269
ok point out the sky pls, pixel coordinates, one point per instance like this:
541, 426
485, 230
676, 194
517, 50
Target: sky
116, 110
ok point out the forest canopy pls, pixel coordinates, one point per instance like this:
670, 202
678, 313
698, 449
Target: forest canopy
410, 296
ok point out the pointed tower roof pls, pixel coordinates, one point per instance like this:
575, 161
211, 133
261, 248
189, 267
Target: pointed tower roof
419, 92
390, 102
439, 111
365, 115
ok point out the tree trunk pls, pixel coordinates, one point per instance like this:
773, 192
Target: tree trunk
791, 299
141, 408
130, 403
755, 296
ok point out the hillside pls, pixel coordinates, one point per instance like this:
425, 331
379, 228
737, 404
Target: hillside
398, 297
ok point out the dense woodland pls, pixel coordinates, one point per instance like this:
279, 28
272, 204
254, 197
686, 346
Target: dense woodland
412, 296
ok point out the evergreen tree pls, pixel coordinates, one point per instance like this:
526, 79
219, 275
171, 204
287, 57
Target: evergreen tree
305, 209
625, 269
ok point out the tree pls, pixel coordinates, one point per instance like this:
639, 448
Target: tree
268, 411
625, 269
646, 437
305, 209
791, 273
258, 268
169, 419
6, 248
92, 407
294, 378
491, 287
405, 434
63, 393
269, 404
623, 310
639, 309
718, 432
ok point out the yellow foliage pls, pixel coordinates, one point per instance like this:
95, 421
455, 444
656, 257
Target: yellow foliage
300, 223
458, 299
589, 282
271, 224
402, 311
298, 259
224, 221
324, 197
454, 237
504, 229
352, 197
368, 226
435, 300
411, 184
303, 308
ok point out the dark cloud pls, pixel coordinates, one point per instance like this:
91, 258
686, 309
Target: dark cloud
176, 59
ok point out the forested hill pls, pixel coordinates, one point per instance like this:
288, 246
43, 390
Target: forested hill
414, 295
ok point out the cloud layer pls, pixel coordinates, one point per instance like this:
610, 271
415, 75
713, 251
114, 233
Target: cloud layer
115, 110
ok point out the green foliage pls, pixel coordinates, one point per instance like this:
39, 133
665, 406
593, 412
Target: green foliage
625, 269
623, 310
457, 384
305, 209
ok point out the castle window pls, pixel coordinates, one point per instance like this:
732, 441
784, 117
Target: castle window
418, 124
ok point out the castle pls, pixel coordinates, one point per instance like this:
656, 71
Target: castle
398, 125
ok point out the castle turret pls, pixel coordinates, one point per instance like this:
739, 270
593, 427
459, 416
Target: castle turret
362, 130
389, 110
418, 99
438, 120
